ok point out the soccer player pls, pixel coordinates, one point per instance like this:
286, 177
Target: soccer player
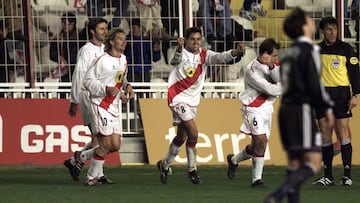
303, 93
185, 83
341, 78
97, 29
262, 86
107, 84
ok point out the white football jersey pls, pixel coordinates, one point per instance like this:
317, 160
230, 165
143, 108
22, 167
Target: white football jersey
186, 80
105, 71
86, 55
261, 84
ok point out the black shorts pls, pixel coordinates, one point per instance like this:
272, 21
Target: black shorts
340, 96
298, 129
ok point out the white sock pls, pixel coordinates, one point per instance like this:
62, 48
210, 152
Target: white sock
257, 169
83, 154
95, 169
88, 154
101, 170
241, 156
170, 156
86, 146
191, 156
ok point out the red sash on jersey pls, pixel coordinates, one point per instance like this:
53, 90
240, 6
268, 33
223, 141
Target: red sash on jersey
259, 100
105, 103
187, 82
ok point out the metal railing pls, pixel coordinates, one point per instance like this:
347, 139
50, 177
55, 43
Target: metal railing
132, 125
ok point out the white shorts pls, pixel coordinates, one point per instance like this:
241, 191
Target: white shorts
183, 112
257, 120
84, 100
104, 123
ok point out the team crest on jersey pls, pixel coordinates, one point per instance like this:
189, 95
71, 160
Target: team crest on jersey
336, 63
119, 76
354, 61
190, 72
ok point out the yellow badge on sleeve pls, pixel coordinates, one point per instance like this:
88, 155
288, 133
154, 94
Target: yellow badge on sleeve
354, 60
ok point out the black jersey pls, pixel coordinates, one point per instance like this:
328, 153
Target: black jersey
300, 76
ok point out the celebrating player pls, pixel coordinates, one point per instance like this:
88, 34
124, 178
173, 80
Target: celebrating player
97, 28
185, 84
107, 84
262, 86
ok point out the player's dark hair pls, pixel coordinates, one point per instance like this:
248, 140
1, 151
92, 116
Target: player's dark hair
268, 45
69, 16
93, 23
190, 31
329, 20
294, 22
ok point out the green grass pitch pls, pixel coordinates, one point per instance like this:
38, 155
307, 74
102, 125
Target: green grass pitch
29, 184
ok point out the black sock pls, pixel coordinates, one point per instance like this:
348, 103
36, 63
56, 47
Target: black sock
293, 182
328, 153
346, 154
293, 197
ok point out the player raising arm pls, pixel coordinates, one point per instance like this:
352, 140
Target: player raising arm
185, 84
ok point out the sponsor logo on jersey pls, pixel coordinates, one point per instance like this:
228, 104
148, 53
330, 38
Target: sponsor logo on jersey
190, 72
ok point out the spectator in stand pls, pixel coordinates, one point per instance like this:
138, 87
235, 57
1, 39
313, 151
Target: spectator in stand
150, 16
6, 71
140, 52
170, 16
95, 8
170, 20
14, 22
347, 33
355, 16
250, 7
220, 8
42, 36
64, 48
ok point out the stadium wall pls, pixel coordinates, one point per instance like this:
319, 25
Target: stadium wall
218, 122
40, 132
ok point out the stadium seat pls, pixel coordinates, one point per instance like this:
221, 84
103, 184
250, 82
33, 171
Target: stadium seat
310, 5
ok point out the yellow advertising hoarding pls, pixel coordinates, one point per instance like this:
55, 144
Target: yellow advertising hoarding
218, 122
